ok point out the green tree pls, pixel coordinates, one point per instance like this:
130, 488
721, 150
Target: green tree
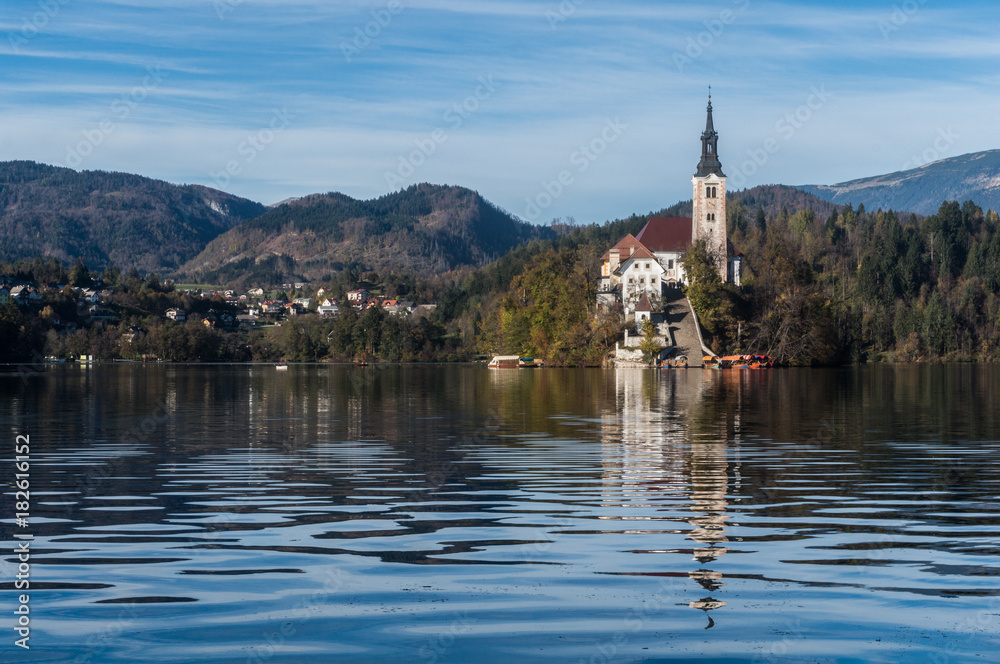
79, 275
650, 344
708, 295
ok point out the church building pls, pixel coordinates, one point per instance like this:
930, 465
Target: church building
650, 262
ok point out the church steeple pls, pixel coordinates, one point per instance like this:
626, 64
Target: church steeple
708, 221
709, 163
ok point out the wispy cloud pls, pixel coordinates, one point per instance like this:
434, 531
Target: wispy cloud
560, 81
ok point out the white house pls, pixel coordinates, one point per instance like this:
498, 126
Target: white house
639, 275
328, 308
358, 296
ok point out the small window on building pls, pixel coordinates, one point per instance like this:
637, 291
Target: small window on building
670, 264
647, 266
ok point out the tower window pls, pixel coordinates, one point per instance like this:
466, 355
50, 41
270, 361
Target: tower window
711, 216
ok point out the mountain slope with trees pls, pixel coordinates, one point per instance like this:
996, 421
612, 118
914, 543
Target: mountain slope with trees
425, 229
110, 218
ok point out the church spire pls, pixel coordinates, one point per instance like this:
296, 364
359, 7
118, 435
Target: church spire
709, 163
710, 126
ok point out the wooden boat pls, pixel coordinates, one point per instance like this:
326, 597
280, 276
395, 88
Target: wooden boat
505, 362
737, 362
281, 367
679, 362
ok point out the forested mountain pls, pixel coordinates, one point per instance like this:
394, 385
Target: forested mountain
425, 229
974, 177
109, 218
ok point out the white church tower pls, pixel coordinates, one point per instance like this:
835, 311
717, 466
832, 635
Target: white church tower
708, 221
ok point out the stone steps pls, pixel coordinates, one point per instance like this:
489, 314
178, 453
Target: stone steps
683, 328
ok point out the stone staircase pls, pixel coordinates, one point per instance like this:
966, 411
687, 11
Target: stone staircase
683, 327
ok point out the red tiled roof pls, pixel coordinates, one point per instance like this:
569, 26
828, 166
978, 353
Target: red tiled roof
644, 304
666, 234
625, 247
642, 253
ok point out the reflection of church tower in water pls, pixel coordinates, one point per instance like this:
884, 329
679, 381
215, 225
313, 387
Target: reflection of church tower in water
709, 486
655, 450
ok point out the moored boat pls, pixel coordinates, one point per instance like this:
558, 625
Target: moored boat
505, 362
737, 362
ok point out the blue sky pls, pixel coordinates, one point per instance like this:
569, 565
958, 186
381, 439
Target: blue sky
270, 99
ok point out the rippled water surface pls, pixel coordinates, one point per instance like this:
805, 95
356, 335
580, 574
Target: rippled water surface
454, 514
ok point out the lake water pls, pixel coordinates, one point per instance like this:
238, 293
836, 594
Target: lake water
456, 514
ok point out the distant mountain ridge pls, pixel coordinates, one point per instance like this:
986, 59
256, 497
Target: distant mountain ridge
110, 218
424, 228
974, 177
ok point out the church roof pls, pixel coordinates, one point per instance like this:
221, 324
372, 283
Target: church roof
625, 247
666, 234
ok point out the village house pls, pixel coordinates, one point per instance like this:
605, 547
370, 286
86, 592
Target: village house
19, 294
398, 308
272, 307
178, 315
246, 321
358, 297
